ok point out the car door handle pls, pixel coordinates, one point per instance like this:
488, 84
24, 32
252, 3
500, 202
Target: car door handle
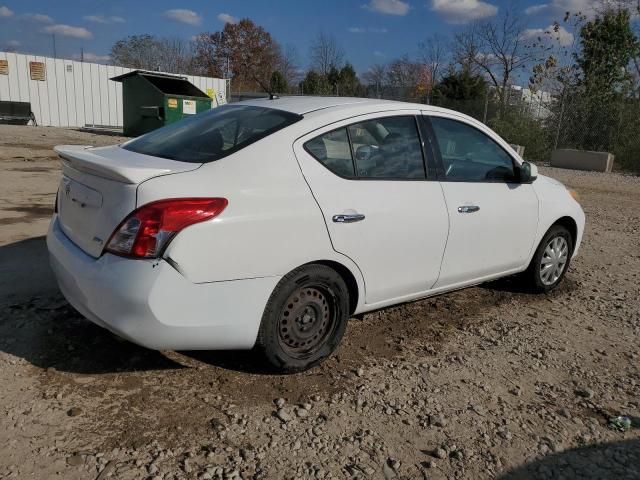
468, 209
348, 218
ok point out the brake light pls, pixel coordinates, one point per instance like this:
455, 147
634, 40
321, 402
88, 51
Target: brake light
147, 231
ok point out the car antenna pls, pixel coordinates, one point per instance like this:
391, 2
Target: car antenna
272, 96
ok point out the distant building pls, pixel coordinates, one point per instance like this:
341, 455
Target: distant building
538, 103
68, 93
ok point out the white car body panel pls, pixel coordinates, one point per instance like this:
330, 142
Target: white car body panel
150, 303
399, 245
98, 189
210, 288
496, 239
271, 226
557, 203
499, 237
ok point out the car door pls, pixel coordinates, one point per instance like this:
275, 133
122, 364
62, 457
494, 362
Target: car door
493, 218
368, 175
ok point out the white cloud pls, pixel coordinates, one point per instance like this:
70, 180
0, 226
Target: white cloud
367, 30
560, 7
226, 18
92, 57
551, 34
5, 12
533, 9
37, 17
69, 31
390, 7
104, 19
184, 16
378, 53
13, 43
463, 11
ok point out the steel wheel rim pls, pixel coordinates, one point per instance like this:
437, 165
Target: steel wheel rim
554, 260
307, 319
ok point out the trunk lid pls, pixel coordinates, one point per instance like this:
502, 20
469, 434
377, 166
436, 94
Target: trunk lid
98, 190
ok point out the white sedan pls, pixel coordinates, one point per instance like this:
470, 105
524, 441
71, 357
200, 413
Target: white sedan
270, 222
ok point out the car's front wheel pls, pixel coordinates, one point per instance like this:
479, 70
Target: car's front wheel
551, 260
304, 319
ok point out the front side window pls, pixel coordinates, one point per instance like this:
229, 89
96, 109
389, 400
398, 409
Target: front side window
384, 148
213, 134
469, 155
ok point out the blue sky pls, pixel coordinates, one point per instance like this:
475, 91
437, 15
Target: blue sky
370, 31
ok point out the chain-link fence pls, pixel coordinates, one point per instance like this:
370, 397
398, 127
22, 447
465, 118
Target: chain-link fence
599, 123
542, 122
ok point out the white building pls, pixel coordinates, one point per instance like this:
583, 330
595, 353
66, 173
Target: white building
66, 93
537, 102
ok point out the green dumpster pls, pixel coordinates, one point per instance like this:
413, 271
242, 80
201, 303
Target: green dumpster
151, 100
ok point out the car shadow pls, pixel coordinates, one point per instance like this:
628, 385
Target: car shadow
616, 460
245, 361
38, 325
514, 284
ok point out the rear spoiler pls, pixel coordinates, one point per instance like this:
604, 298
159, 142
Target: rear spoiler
115, 163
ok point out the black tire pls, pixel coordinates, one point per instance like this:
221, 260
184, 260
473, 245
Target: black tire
304, 319
533, 276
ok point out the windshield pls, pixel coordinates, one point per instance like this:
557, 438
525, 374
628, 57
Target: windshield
213, 134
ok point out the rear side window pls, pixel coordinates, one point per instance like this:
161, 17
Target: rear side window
213, 134
387, 148
333, 151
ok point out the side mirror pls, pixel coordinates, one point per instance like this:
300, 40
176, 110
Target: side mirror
527, 172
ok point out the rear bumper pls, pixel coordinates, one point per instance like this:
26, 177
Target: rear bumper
150, 303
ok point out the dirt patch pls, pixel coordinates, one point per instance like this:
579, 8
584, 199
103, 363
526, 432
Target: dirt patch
487, 382
39, 169
29, 213
22, 145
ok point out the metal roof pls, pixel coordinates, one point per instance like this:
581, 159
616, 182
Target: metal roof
147, 73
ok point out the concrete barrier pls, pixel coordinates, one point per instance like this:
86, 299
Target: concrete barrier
518, 148
582, 160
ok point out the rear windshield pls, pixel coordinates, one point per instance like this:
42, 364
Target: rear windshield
213, 134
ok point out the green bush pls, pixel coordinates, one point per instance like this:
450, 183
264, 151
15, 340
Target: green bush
521, 129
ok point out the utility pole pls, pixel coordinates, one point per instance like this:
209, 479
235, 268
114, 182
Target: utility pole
486, 107
82, 54
53, 37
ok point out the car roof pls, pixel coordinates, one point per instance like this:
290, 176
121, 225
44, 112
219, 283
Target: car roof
301, 104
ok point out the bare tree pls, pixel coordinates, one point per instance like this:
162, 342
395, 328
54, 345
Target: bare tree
498, 48
376, 76
206, 59
326, 54
136, 51
435, 56
174, 55
404, 75
288, 65
147, 52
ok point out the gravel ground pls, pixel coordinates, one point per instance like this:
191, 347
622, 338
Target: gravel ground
487, 382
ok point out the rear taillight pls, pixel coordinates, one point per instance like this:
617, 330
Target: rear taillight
149, 229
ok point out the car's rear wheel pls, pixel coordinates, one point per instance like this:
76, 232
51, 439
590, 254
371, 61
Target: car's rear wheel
551, 260
304, 319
